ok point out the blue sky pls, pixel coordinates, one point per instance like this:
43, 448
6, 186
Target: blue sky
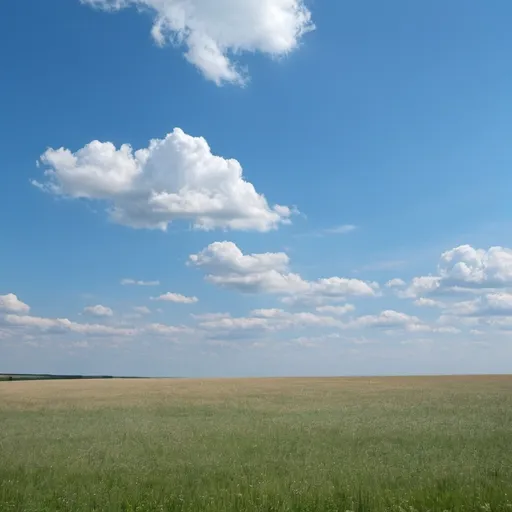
380, 130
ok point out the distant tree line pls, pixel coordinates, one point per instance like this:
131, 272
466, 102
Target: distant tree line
48, 376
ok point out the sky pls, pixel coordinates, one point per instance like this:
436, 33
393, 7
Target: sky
255, 188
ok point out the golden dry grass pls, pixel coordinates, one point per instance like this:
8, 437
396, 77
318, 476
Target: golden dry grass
132, 392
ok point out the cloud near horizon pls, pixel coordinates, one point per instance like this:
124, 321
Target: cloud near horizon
323, 315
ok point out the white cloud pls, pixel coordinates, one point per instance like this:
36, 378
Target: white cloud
175, 178
142, 310
465, 266
228, 267
395, 283
65, 325
270, 319
336, 310
98, 310
388, 319
465, 269
240, 323
176, 297
287, 319
163, 329
11, 303
429, 303
490, 304
214, 31
421, 286
127, 282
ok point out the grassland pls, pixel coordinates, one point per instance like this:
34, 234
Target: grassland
379, 444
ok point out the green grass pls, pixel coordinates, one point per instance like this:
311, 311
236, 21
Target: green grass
396, 444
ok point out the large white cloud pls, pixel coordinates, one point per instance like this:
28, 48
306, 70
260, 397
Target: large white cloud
228, 267
11, 303
175, 178
213, 31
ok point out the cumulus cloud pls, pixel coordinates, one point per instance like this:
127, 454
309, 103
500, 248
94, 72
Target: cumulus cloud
176, 297
127, 282
391, 320
490, 304
388, 319
465, 269
238, 323
214, 31
336, 310
228, 267
175, 178
98, 310
269, 319
395, 283
163, 329
419, 286
11, 303
65, 325
428, 303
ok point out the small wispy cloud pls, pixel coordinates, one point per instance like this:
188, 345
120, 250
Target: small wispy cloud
127, 282
142, 310
176, 297
343, 229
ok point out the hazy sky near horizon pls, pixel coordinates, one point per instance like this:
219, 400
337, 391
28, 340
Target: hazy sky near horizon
248, 187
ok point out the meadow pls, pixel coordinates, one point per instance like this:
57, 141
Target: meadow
334, 444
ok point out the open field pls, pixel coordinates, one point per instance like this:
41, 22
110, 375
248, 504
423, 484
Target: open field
359, 444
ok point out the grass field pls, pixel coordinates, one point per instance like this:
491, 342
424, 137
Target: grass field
379, 444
